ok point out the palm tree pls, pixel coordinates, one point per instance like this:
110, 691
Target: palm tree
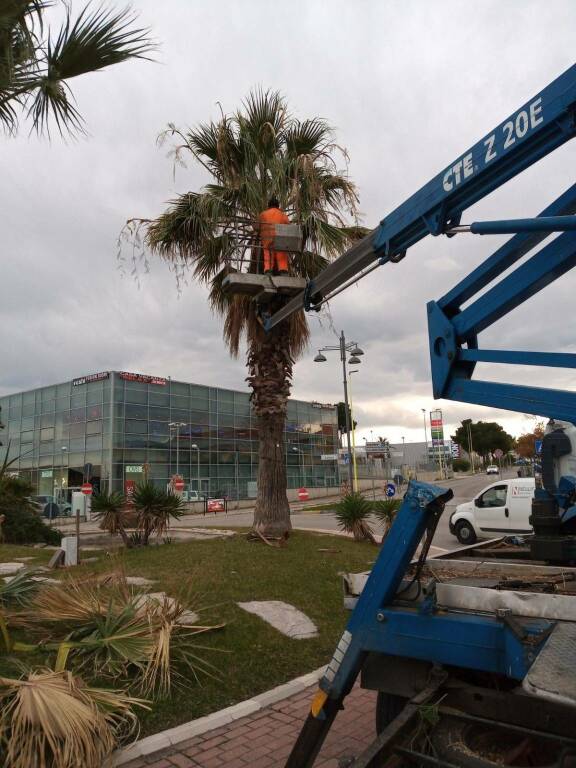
35, 69
252, 154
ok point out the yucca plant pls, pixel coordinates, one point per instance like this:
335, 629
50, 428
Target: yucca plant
154, 508
352, 514
52, 719
385, 510
110, 510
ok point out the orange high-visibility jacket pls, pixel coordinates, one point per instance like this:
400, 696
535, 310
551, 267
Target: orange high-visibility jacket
268, 218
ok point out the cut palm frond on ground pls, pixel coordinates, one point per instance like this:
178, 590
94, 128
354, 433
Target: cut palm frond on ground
53, 720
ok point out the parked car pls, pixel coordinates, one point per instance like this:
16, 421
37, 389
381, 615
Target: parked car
492, 469
49, 508
501, 508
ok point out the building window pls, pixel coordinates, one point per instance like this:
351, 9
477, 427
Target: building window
136, 411
136, 427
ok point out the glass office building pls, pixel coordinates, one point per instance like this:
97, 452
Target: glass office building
119, 426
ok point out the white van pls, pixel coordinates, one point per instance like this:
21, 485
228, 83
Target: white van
501, 508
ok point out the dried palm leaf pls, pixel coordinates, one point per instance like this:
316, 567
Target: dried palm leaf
52, 720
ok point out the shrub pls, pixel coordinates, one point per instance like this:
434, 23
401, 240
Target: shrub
385, 510
22, 523
154, 508
352, 514
461, 465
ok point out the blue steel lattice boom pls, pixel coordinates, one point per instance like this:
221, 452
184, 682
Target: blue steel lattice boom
384, 621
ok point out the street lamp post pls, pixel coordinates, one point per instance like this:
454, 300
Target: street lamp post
195, 448
425, 431
300, 453
176, 425
354, 465
355, 353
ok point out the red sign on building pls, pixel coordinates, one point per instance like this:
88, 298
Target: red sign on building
142, 378
86, 489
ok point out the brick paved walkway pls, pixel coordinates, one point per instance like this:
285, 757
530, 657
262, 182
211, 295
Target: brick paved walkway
264, 739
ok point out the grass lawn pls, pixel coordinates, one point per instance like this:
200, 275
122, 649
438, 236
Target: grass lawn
250, 655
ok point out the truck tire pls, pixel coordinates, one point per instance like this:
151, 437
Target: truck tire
465, 533
388, 706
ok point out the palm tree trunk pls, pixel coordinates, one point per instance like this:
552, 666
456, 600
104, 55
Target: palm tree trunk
270, 373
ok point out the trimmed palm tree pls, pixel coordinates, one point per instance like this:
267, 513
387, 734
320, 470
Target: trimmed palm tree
35, 69
353, 516
259, 151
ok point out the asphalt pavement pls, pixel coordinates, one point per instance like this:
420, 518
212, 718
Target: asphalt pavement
465, 488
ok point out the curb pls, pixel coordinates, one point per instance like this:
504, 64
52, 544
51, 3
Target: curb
174, 736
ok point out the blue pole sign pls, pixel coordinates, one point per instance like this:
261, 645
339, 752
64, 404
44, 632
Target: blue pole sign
538, 446
390, 490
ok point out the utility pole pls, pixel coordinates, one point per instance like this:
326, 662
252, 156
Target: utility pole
354, 465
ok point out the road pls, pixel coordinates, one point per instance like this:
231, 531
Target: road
464, 489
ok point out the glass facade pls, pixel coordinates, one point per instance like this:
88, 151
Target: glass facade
125, 424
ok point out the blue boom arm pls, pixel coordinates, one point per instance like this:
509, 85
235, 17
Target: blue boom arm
540, 126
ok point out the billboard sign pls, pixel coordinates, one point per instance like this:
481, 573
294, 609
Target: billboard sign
91, 377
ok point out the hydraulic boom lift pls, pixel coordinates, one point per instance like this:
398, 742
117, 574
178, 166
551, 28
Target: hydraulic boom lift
528, 651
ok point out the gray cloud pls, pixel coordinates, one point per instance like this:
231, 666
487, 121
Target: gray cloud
408, 86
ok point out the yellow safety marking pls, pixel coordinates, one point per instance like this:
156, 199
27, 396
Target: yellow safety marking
318, 702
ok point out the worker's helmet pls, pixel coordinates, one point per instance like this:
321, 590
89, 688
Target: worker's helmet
273, 202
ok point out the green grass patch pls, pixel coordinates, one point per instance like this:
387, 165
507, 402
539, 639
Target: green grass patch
10, 552
251, 656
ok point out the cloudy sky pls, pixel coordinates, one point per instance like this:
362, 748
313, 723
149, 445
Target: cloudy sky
409, 85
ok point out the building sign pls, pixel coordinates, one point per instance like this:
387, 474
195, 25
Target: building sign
329, 457
134, 469
325, 406
142, 378
436, 428
46, 473
92, 377
378, 450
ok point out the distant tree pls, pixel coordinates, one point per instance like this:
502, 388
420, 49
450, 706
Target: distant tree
342, 419
35, 67
460, 465
487, 436
525, 444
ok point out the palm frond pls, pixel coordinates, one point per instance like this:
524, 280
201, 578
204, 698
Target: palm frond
307, 137
95, 40
19, 589
51, 718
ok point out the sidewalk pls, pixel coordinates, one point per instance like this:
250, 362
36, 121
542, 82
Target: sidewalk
265, 738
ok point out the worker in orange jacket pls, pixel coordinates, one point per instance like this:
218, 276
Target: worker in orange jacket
273, 260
